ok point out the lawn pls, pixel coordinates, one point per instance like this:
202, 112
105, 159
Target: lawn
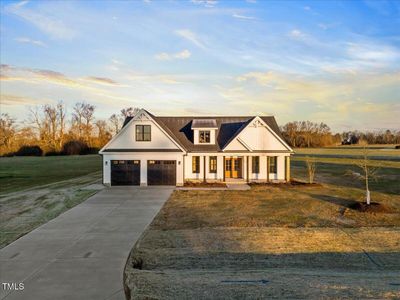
18, 173
379, 152
273, 241
35, 190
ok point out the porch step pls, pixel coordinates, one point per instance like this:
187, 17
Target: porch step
242, 186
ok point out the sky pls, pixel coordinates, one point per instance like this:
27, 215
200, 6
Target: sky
336, 62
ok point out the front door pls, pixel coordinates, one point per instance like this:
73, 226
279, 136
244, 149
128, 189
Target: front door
233, 167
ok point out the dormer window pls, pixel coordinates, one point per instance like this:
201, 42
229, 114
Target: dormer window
204, 131
204, 136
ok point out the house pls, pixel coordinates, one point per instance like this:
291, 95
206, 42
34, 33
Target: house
152, 150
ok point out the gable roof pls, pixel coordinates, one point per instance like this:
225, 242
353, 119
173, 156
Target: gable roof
228, 127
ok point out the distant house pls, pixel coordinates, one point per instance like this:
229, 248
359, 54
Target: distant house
152, 150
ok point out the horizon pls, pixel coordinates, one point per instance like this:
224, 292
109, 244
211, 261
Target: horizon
331, 62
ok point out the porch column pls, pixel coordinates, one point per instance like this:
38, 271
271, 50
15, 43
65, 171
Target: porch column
247, 169
287, 168
204, 168
223, 167
267, 168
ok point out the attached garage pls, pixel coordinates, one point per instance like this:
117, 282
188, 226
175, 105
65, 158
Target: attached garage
161, 172
125, 172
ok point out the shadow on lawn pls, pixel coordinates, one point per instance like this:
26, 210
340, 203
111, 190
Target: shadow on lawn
343, 202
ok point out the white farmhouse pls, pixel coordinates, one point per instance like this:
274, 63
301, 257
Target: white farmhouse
152, 150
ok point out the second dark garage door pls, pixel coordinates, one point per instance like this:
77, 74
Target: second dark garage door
161, 172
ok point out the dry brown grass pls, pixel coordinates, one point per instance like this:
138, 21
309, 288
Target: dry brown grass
269, 205
299, 241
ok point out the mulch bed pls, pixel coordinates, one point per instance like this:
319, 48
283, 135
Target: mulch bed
374, 207
204, 184
292, 183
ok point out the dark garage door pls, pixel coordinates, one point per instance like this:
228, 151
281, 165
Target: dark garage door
125, 172
161, 172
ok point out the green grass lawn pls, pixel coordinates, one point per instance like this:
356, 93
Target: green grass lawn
35, 190
379, 153
332, 168
18, 173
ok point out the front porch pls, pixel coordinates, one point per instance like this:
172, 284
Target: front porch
237, 169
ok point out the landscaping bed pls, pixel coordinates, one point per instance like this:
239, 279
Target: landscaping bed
202, 184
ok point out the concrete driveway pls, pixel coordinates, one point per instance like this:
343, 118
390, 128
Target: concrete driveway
81, 253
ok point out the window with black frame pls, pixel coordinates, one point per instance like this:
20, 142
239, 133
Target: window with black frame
273, 164
213, 164
196, 164
204, 136
255, 164
143, 133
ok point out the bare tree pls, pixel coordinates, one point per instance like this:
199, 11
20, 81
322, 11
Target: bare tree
7, 132
51, 119
82, 119
116, 123
88, 118
311, 168
77, 118
61, 112
368, 172
129, 111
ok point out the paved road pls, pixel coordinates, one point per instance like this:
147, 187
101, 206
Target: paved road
81, 253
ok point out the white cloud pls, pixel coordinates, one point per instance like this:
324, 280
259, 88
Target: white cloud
307, 8
185, 54
242, 17
296, 34
30, 41
190, 36
49, 25
206, 3
373, 52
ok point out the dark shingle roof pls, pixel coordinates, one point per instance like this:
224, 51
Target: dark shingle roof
204, 123
180, 129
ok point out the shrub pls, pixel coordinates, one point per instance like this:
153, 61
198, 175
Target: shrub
90, 150
53, 153
8, 154
74, 147
34, 150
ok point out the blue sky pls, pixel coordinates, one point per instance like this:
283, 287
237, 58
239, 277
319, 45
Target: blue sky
336, 62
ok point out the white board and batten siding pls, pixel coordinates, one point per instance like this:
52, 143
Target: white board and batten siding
126, 139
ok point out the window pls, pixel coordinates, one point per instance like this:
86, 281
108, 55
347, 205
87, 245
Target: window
196, 164
213, 164
228, 165
255, 164
204, 136
272, 163
143, 133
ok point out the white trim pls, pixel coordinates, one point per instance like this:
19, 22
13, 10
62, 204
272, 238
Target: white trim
244, 144
136, 117
257, 118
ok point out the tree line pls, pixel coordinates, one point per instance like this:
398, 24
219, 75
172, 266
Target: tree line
311, 134
50, 130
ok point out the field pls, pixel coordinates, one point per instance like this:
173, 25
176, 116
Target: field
18, 173
274, 241
35, 190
